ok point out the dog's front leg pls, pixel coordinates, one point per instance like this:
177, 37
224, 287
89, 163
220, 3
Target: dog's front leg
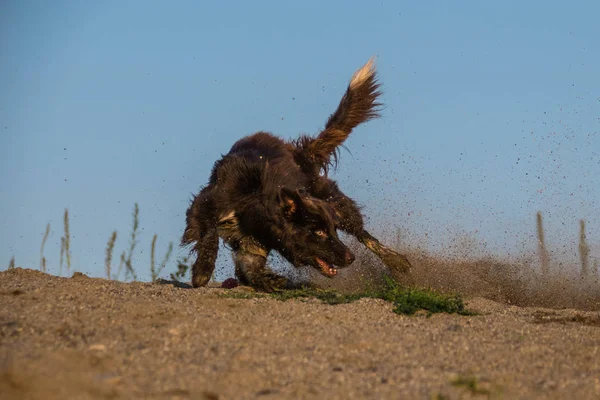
351, 221
251, 268
349, 217
201, 230
391, 258
207, 248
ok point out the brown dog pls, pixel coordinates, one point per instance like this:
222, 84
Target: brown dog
270, 194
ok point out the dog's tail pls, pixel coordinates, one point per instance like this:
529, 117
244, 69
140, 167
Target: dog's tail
359, 104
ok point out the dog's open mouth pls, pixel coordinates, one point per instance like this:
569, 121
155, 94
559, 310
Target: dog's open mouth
326, 268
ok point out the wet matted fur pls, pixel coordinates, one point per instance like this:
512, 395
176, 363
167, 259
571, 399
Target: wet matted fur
269, 194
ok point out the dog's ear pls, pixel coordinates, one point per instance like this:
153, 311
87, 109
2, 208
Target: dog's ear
297, 201
290, 201
293, 201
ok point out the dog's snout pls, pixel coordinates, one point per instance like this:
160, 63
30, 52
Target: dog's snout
349, 257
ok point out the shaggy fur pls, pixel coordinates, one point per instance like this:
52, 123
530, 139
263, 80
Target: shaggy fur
269, 194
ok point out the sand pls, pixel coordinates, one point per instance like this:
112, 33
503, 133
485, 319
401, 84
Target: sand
89, 338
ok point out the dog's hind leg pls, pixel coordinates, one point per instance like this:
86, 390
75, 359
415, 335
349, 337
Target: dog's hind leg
251, 268
201, 229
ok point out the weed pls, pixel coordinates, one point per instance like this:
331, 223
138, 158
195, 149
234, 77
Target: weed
109, 251
584, 250
152, 249
163, 264
153, 271
327, 296
542, 245
470, 383
121, 263
136, 222
182, 269
62, 255
66, 243
42, 258
410, 300
245, 295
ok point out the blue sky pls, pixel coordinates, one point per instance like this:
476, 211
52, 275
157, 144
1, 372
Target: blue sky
492, 112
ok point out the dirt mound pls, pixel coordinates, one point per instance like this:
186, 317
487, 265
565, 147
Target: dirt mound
91, 338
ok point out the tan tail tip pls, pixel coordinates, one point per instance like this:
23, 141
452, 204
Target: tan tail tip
364, 73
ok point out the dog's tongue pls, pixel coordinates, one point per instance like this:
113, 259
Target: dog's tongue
327, 269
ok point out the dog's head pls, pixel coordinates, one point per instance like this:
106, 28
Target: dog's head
312, 225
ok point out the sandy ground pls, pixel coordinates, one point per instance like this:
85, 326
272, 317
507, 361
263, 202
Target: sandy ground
89, 338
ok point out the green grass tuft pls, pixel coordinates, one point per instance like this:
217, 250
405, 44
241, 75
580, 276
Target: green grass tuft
408, 301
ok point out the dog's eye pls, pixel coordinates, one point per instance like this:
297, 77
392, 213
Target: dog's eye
321, 233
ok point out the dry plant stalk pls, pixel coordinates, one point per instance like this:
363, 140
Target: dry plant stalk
182, 269
109, 252
153, 271
584, 250
42, 258
166, 259
62, 255
66, 242
542, 245
121, 263
128, 266
152, 249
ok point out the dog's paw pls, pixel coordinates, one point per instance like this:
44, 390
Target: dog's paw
396, 261
269, 282
200, 279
